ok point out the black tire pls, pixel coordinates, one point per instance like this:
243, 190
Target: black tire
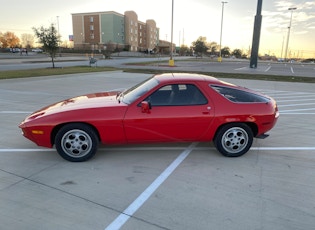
76, 142
234, 140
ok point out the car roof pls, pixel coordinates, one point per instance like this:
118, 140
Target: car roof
169, 77
194, 77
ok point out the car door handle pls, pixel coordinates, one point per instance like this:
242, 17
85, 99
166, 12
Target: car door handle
208, 109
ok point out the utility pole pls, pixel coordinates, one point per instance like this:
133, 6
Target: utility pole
289, 28
171, 61
256, 36
58, 36
220, 55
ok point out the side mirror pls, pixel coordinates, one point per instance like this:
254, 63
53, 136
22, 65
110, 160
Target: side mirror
145, 107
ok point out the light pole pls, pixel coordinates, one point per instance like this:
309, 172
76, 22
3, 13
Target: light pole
171, 61
220, 56
289, 28
58, 36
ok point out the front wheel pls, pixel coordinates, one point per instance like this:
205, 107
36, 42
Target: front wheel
76, 142
234, 140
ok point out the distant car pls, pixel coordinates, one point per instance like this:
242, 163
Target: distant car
164, 108
15, 50
37, 50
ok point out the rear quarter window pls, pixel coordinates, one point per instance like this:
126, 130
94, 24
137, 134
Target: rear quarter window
239, 96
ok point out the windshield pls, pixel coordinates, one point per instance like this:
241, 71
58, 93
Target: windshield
138, 90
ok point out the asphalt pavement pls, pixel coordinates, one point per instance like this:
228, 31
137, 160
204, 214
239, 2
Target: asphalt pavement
162, 186
35, 60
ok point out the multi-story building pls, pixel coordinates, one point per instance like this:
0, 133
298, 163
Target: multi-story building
98, 30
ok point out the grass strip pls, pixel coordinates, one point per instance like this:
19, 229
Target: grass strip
263, 77
10, 74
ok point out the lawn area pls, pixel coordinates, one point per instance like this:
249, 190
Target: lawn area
235, 75
51, 71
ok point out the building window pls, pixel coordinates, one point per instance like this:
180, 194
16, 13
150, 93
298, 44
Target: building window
92, 36
91, 27
91, 19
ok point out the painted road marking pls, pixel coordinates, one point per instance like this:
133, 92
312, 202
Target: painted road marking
145, 195
266, 70
164, 149
290, 105
295, 110
15, 112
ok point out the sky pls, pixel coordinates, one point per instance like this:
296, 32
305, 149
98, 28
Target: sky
191, 19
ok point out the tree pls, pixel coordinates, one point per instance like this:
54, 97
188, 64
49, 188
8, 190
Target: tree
213, 47
200, 46
50, 39
184, 50
109, 49
9, 39
225, 52
237, 53
1, 39
27, 40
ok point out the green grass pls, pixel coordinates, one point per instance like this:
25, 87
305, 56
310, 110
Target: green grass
51, 71
234, 75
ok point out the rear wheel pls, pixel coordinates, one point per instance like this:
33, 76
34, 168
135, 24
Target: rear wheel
76, 142
234, 140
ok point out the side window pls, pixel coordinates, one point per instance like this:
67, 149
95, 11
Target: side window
239, 96
161, 96
177, 95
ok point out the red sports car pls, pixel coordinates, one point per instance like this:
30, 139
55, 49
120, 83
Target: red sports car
175, 107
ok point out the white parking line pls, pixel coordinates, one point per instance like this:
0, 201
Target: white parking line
283, 148
311, 99
135, 205
293, 105
163, 149
266, 70
26, 150
241, 68
15, 112
296, 110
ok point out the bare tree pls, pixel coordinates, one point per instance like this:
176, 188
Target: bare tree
27, 40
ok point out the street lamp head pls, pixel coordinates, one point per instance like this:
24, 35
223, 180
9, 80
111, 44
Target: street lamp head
292, 8
224, 2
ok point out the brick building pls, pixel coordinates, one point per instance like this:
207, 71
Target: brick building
98, 30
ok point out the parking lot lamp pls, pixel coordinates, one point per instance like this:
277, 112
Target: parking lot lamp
171, 61
288, 37
220, 56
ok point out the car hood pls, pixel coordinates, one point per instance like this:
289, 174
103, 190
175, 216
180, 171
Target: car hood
94, 100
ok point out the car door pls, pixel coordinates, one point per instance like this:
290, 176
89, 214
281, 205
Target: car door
178, 112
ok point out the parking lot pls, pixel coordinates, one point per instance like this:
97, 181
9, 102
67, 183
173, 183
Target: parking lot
162, 186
